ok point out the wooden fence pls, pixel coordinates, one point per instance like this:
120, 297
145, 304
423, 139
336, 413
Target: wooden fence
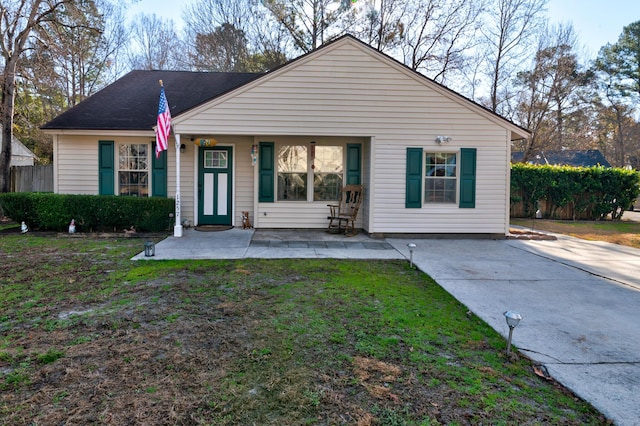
32, 178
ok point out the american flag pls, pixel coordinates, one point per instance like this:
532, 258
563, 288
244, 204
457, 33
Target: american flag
163, 126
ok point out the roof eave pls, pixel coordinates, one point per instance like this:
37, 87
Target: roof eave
101, 132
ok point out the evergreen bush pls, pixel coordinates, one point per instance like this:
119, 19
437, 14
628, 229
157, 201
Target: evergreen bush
591, 193
92, 213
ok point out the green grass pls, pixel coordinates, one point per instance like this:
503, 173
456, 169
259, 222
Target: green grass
269, 342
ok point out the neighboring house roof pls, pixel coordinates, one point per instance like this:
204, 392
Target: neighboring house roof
131, 102
20, 154
567, 157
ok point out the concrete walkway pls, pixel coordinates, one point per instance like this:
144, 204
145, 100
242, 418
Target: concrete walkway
580, 300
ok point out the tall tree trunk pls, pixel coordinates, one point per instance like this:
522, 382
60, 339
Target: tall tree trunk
6, 115
620, 154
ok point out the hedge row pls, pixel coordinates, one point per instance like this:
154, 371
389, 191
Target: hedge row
587, 193
54, 212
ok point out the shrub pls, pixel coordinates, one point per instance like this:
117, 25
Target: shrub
577, 192
53, 212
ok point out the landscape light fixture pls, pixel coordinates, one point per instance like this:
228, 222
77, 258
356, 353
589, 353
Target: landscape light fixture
513, 319
411, 247
149, 249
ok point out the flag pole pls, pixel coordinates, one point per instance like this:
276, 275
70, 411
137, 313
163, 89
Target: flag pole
177, 229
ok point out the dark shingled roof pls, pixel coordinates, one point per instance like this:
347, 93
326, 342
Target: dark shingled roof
568, 157
131, 103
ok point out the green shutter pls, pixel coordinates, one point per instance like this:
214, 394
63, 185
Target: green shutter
413, 196
266, 173
158, 174
354, 162
467, 178
106, 167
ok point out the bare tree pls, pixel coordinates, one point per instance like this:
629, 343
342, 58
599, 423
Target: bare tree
381, 24
437, 35
550, 97
154, 44
18, 20
309, 23
506, 30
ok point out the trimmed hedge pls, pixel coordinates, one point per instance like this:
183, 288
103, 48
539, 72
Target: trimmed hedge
92, 213
588, 193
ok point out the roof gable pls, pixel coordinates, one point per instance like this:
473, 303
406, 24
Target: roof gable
516, 131
131, 103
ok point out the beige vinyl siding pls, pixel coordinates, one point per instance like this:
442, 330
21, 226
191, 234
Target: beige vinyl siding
350, 91
77, 166
491, 185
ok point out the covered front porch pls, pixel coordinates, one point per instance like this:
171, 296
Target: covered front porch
277, 181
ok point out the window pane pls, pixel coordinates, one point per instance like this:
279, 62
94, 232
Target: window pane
440, 177
292, 173
441, 164
215, 159
133, 166
327, 172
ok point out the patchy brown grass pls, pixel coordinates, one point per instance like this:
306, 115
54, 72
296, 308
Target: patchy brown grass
623, 232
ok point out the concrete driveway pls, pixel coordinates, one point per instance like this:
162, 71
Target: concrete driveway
580, 303
580, 300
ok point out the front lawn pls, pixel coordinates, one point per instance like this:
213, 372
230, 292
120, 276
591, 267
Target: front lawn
89, 337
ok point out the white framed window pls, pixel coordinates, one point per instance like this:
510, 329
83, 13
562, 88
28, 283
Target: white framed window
309, 170
133, 169
441, 177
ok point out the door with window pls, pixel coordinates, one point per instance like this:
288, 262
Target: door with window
215, 186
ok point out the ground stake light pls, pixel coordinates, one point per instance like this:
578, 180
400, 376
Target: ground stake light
149, 249
411, 247
513, 319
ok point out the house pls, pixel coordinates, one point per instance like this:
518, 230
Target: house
280, 145
566, 157
20, 154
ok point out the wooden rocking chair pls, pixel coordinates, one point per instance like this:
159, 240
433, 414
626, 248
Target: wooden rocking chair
342, 216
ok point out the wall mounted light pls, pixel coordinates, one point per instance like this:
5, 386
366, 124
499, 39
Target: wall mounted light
183, 147
513, 319
443, 139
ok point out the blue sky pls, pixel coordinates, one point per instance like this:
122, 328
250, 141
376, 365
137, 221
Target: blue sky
597, 22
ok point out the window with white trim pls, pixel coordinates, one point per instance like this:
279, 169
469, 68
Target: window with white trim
133, 169
305, 170
441, 177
